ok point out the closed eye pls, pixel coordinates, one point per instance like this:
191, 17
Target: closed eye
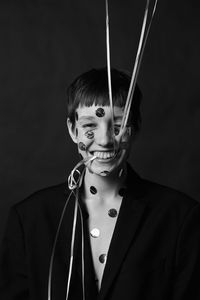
89, 125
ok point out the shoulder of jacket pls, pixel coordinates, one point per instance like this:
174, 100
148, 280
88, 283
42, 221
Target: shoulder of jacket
43, 198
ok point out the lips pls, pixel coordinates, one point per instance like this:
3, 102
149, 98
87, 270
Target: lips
104, 154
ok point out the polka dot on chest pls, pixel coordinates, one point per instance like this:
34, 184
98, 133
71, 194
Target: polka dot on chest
112, 213
102, 258
93, 190
95, 232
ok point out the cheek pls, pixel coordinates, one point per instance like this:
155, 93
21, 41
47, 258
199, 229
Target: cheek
84, 139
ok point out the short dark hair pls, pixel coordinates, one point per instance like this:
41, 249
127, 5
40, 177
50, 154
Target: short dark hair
92, 88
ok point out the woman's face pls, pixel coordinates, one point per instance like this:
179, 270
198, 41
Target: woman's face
94, 136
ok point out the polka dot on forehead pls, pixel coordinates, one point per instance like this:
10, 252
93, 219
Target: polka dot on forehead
100, 112
82, 146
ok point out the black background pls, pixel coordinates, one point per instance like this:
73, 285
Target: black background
45, 44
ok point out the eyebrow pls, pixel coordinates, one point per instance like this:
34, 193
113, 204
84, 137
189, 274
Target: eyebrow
89, 118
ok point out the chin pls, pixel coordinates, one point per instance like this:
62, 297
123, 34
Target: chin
105, 169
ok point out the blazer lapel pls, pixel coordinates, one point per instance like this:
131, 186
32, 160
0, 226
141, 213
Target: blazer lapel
129, 219
63, 255
90, 283
91, 290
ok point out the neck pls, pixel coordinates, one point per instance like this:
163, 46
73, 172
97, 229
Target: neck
107, 187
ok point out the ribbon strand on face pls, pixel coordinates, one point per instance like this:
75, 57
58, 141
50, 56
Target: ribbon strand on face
142, 42
109, 71
72, 181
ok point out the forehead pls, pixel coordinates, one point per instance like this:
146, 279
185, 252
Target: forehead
98, 111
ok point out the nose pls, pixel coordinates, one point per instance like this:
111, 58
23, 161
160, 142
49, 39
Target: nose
104, 137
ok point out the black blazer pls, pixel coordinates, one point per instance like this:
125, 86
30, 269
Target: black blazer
154, 253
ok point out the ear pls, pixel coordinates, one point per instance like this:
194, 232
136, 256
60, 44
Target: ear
72, 130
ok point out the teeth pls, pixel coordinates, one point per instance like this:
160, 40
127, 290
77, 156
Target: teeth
104, 155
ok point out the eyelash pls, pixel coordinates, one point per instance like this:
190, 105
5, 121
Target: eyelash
91, 125
88, 125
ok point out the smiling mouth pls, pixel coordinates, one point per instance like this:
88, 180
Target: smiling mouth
104, 155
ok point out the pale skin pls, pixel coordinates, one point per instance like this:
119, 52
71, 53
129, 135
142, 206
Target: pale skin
94, 136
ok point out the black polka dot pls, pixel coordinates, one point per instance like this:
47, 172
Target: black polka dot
112, 213
102, 258
82, 146
116, 130
104, 173
100, 112
76, 116
89, 134
122, 192
76, 132
93, 190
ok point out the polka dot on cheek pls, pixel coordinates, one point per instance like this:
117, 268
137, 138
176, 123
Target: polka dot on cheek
82, 146
89, 135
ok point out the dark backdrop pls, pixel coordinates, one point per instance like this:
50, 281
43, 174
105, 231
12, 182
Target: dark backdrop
45, 44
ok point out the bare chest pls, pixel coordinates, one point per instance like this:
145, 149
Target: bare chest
101, 227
